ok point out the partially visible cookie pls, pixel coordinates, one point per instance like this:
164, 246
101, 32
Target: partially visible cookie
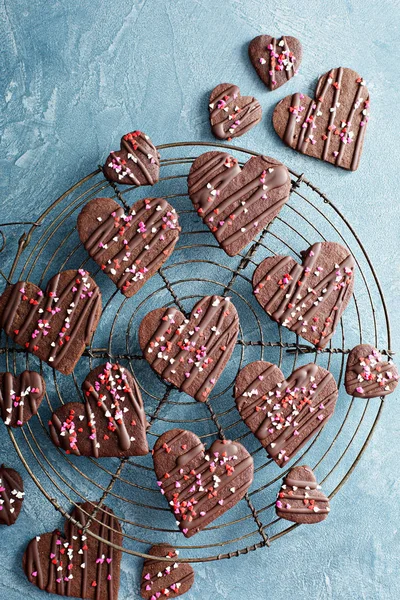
231, 114
368, 374
136, 163
300, 498
165, 579
20, 397
275, 60
11, 495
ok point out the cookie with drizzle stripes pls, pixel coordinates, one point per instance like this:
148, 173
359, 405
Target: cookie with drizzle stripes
300, 498
191, 353
11, 495
129, 247
232, 115
275, 60
74, 563
309, 299
200, 485
20, 397
111, 422
55, 325
368, 374
284, 414
236, 204
165, 579
136, 163
332, 125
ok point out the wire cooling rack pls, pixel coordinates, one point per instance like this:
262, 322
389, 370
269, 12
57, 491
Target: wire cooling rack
196, 268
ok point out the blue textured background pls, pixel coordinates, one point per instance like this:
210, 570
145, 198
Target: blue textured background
76, 76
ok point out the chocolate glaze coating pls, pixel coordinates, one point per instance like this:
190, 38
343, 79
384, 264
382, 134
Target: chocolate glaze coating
300, 498
20, 396
11, 495
175, 580
136, 163
231, 114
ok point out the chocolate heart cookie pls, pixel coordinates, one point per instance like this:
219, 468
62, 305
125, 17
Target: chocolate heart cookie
20, 397
330, 127
310, 298
11, 495
368, 375
200, 485
55, 325
137, 163
112, 421
275, 60
129, 248
300, 498
231, 114
165, 579
284, 414
74, 563
236, 204
191, 353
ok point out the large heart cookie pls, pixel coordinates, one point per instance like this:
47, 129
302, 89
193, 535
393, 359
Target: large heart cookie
236, 203
163, 578
74, 563
11, 495
200, 485
368, 375
310, 298
330, 127
275, 60
300, 498
129, 248
191, 353
284, 414
112, 421
137, 163
20, 397
55, 325
231, 114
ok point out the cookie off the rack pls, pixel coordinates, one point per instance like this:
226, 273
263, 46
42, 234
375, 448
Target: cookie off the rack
301, 499
20, 396
276, 60
136, 163
111, 422
165, 578
55, 325
11, 495
307, 298
369, 374
73, 562
284, 414
236, 204
231, 114
129, 247
191, 353
200, 485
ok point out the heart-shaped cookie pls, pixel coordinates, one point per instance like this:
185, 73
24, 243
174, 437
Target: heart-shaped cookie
165, 579
284, 414
275, 60
200, 485
310, 298
191, 353
236, 204
330, 127
55, 325
112, 422
11, 495
368, 374
231, 114
74, 563
129, 248
300, 498
20, 397
137, 163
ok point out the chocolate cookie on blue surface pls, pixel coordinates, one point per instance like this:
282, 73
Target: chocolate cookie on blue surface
276, 60
232, 114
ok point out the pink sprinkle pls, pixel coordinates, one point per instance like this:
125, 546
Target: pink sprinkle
278, 504
34, 574
360, 390
147, 576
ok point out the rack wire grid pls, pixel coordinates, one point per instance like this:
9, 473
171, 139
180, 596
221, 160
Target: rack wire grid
197, 267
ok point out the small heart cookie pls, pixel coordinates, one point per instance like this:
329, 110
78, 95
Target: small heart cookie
11, 495
275, 60
368, 375
231, 114
300, 498
165, 579
137, 163
200, 485
20, 397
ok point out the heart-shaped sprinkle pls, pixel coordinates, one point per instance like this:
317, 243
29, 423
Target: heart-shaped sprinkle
236, 204
291, 416
11, 495
300, 499
368, 374
231, 114
204, 478
275, 60
20, 397
310, 298
330, 127
191, 358
137, 163
176, 578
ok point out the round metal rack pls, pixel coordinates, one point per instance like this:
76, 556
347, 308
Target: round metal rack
196, 268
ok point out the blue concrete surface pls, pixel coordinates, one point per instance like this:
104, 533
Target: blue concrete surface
77, 75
